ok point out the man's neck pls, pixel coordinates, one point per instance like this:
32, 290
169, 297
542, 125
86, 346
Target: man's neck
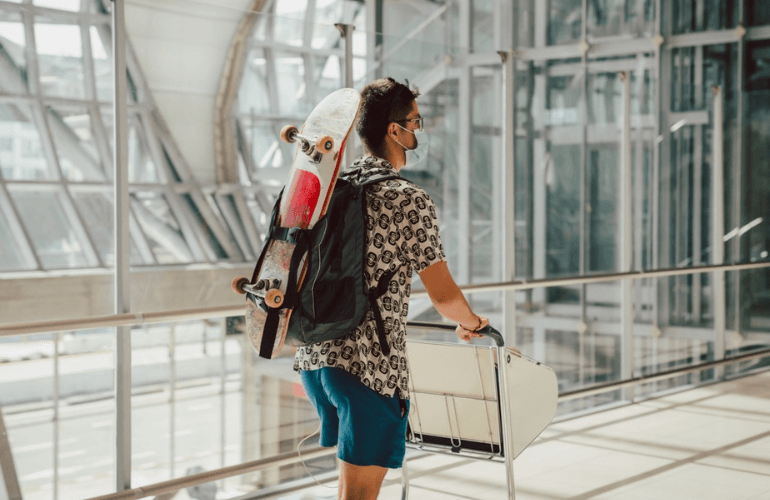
393, 156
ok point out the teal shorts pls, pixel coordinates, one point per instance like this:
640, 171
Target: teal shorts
366, 427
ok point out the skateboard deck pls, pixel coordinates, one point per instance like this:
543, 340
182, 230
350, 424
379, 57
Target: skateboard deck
314, 171
455, 402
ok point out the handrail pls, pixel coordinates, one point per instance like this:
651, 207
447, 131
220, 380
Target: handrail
174, 485
318, 451
139, 318
656, 377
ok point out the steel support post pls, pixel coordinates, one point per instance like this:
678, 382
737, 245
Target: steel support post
465, 160
719, 295
56, 414
697, 184
223, 391
9, 482
626, 240
662, 179
346, 32
172, 400
506, 193
122, 263
738, 176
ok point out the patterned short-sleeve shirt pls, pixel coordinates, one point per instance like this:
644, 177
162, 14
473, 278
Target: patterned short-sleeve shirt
401, 232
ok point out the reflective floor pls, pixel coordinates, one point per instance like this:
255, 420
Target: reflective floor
706, 443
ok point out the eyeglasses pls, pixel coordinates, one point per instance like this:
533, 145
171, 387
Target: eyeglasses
417, 121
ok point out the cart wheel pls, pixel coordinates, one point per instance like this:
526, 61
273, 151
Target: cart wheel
324, 144
288, 133
238, 284
274, 298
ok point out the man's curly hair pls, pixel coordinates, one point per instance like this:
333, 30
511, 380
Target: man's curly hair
383, 101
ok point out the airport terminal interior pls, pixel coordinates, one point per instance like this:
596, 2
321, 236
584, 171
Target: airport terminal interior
601, 173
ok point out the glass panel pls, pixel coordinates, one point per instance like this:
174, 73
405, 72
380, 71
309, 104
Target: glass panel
141, 168
70, 5
704, 15
564, 21
97, 212
26, 369
74, 140
329, 12
564, 93
563, 211
265, 145
621, 18
55, 242
253, 95
326, 35
204, 231
293, 95
224, 204
605, 90
161, 228
21, 152
60, 58
483, 29
12, 44
695, 70
100, 38
289, 22
328, 75
12, 259
757, 12
603, 215
415, 59
755, 289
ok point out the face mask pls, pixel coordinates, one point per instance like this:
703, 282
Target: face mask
420, 152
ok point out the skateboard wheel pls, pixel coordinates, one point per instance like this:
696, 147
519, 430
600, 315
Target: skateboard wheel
324, 144
274, 298
288, 133
238, 284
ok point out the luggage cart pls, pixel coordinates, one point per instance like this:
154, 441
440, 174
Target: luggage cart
476, 401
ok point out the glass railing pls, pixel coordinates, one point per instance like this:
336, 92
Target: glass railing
202, 400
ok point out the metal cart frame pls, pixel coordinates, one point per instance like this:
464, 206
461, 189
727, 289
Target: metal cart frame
456, 445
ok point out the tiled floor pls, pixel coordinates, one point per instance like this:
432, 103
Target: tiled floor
707, 443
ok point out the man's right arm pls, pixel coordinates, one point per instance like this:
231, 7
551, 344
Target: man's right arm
449, 300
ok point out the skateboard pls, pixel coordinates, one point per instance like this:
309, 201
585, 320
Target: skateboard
314, 171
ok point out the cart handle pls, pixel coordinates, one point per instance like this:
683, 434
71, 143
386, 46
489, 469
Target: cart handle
487, 331
490, 332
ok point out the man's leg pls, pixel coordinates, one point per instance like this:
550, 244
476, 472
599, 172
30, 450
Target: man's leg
360, 482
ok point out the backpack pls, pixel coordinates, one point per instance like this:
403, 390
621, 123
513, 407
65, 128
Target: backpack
334, 298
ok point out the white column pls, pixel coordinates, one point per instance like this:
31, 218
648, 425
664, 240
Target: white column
718, 227
122, 266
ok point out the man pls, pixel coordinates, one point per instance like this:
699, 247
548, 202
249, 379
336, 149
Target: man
361, 393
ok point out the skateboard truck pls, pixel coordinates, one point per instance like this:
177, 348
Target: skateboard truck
267, 289
313, 148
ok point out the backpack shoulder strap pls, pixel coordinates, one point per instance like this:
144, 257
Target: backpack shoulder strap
379, 178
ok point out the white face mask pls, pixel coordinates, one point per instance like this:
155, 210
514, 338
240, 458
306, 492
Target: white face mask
420, 151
